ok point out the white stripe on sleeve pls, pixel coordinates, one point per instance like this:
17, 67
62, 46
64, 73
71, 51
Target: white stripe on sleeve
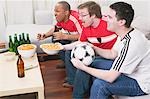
76, 23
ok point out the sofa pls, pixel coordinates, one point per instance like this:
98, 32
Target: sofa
137, 97
139, 22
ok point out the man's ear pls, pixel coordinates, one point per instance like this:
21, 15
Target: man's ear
93, 16
67, 12
122, 22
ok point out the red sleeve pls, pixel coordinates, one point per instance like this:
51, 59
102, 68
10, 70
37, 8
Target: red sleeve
83, 37
58, 24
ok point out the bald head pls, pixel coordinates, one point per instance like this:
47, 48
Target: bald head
62, 11
65, 5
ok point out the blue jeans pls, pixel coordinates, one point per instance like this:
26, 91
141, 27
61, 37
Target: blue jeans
62, 52
123, 86
62, 55
83, 80
70, 69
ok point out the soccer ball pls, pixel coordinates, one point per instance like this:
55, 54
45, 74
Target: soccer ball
84, 53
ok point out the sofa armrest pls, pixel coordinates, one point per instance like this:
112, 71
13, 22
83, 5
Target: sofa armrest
32, 29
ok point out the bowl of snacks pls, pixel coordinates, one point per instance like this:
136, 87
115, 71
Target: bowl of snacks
51, 48
27, 50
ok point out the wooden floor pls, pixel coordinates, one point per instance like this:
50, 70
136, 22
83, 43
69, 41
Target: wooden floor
53, 80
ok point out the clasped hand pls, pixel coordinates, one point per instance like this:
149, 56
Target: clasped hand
78, 64
41, 36
58, 35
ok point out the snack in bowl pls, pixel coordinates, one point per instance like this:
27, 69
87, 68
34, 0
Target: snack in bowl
51, 48
27, 50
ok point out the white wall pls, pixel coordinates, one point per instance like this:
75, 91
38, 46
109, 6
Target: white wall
19, 12
2, 22
23, 11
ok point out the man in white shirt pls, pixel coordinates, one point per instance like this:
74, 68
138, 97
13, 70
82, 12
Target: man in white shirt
130, 72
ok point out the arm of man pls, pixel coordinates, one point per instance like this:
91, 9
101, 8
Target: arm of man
50, 32
42, 36
107, 75
106, 53
71, 46
71, 37
65, 36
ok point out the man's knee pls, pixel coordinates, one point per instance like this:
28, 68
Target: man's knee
99, 84
68, 54
81, 73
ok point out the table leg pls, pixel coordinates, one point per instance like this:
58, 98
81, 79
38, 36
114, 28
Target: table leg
41, 94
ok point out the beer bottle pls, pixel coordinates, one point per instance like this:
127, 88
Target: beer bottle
20, 40
28, 39
23, 38
16, 44
56, 29
11, 45
63, 42
20, 67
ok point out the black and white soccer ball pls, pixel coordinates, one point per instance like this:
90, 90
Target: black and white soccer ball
84, 53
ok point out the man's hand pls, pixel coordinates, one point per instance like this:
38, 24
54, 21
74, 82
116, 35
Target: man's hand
41, 36
59, 36
78, 64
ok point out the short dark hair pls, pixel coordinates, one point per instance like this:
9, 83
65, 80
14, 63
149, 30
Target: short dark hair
93, 8
65, 5
123, 11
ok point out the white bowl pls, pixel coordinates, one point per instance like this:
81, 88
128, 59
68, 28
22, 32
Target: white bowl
51, 48
27, 50
9, 55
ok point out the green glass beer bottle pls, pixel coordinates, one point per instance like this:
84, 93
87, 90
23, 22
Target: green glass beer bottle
20, 40
11, 45
16, 44
28, 39
23, 39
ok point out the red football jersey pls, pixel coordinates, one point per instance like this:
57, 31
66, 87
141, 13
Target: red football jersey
73, 24
97, 34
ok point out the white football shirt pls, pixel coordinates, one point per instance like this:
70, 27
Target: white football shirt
134, 58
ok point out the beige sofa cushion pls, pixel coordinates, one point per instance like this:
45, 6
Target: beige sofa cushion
137, 97
43, 17
142, 23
